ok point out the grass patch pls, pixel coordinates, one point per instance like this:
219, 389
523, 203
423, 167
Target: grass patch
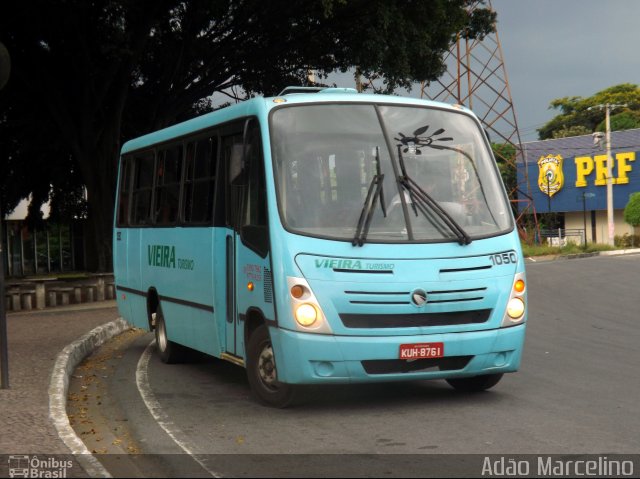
571, 248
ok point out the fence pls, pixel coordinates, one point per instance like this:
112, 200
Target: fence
57, 248
562, 237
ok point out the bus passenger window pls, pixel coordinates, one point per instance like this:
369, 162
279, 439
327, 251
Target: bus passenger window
143, 165
227, 196
200, 175
123, 199
168, 173
254, 230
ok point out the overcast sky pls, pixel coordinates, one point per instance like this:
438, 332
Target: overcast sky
558, 48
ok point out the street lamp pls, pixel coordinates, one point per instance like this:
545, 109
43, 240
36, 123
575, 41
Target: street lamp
610, 221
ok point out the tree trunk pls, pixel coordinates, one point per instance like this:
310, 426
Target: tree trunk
99, 168
99, 250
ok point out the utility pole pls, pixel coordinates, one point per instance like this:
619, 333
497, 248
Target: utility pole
4, 341
5, 69
584, 218
610, 220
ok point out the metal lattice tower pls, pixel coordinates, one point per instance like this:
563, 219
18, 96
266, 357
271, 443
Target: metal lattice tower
476, 77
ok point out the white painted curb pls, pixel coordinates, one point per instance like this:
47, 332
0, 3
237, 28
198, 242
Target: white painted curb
66, 363
620, 251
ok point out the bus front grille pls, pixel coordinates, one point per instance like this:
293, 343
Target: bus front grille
372, 321
396, 366
404, 297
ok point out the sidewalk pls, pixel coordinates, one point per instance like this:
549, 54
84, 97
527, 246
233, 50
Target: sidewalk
35, 339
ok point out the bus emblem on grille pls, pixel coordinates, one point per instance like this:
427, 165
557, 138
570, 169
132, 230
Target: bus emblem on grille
419, 297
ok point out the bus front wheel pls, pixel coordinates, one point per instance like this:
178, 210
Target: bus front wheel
169, 351
262, 372
475, 383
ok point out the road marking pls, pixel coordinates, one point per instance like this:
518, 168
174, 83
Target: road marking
154, 407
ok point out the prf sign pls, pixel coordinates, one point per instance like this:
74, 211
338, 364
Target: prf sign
585, 166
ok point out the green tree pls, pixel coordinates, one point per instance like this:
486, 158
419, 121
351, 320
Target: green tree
575, 130
577, 117
625, 120
632, 210
85, 75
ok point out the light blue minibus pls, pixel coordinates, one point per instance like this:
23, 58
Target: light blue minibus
324, 237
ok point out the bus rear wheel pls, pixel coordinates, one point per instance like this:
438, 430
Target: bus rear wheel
263, 374
475, 383
168, 351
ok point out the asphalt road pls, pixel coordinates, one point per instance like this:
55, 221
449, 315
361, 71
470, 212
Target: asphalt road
576, 393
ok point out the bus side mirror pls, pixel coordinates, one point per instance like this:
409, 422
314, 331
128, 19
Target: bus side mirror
236, 166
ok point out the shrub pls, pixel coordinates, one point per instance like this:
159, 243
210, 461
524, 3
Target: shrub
632, 210
627, 240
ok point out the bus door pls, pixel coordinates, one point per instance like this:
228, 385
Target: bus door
225, 238
247, 275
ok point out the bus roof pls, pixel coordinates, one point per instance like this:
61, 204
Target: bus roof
261, 104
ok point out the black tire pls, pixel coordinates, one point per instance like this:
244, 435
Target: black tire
169, 352
476, 383
262, 372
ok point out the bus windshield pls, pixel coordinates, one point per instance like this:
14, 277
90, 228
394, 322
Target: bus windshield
385, 173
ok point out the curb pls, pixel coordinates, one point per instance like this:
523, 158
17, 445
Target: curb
620, 251
617, 252
64, 366
579, 255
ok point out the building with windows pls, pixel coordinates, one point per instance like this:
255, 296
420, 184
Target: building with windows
568, 176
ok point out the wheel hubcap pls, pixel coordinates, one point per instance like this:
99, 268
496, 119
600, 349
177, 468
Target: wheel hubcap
162, 337
267, 367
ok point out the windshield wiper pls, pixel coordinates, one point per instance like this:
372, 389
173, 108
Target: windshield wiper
423, 201
375, 191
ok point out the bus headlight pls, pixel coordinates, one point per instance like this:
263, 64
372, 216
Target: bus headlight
515, 308
517, 303
306, 314
305, 307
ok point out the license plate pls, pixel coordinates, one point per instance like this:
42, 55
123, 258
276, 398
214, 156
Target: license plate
421, 351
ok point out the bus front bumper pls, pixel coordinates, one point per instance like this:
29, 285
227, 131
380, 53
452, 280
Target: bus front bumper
304, 358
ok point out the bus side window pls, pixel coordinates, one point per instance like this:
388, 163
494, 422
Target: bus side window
143, 166
167, 194
200, 179
254, 231
227, 195
123, 199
